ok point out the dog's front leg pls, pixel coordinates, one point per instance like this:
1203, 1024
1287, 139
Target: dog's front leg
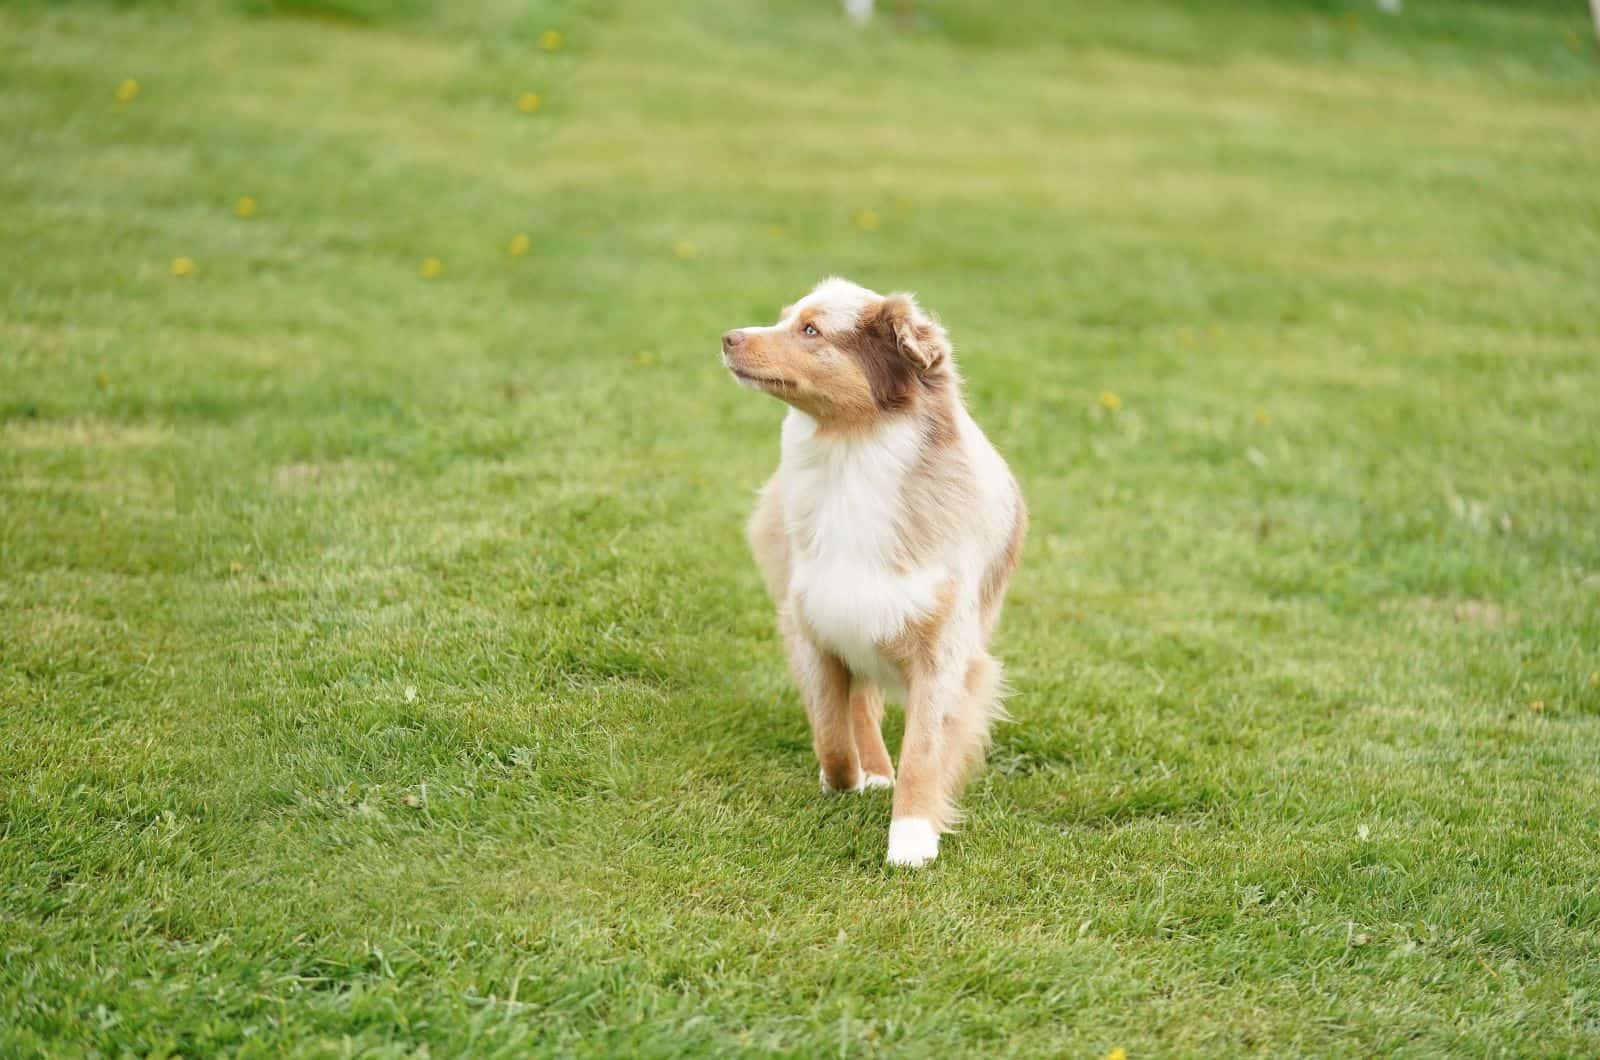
866, 720
825, 689
921, 803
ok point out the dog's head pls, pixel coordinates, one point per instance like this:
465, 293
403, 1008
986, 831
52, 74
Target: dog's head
843, 354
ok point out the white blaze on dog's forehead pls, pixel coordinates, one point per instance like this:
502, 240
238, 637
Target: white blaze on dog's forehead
835, 304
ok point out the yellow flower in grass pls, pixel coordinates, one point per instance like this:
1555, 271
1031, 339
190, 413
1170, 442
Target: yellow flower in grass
519, 245
868, 220
127, 91
550, 40
685, 250
1119, 1053
245, 207
1109, 401
528, 102
431, 268
182, 267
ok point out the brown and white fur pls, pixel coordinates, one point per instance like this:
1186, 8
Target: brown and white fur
886, 538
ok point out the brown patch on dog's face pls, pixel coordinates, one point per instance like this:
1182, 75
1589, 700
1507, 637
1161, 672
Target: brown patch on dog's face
842, 354
902, 352
797, 362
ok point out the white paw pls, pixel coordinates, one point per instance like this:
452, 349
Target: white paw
874, 780
829, 789
912, 842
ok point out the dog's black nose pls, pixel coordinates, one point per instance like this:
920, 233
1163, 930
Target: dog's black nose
731, 340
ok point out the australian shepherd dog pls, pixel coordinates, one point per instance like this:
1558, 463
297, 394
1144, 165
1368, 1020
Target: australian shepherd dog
886, 538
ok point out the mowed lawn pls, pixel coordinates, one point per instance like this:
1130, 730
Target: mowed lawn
381, 667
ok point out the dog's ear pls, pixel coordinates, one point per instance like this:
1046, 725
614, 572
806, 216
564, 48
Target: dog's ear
917, 336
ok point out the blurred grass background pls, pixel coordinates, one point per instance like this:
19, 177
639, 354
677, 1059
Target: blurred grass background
380, 665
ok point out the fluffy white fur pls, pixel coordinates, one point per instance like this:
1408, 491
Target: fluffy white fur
840, 502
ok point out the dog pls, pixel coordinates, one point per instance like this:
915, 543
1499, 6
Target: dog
886, 538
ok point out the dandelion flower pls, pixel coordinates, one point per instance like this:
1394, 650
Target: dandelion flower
183, 267
528, 102
245, 207
431, 268
550, 40
127, 91
685, 250
519, 245
1119, 1053
867, 220
1109, 401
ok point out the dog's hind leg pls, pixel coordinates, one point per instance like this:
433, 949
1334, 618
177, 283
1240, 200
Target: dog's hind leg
966, 729
866, 721
764, 533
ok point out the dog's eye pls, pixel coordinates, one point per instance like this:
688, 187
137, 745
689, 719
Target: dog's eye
811, 329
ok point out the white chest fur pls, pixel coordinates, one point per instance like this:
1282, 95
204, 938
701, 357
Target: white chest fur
842, 506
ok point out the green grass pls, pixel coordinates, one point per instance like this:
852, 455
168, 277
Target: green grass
381, 669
